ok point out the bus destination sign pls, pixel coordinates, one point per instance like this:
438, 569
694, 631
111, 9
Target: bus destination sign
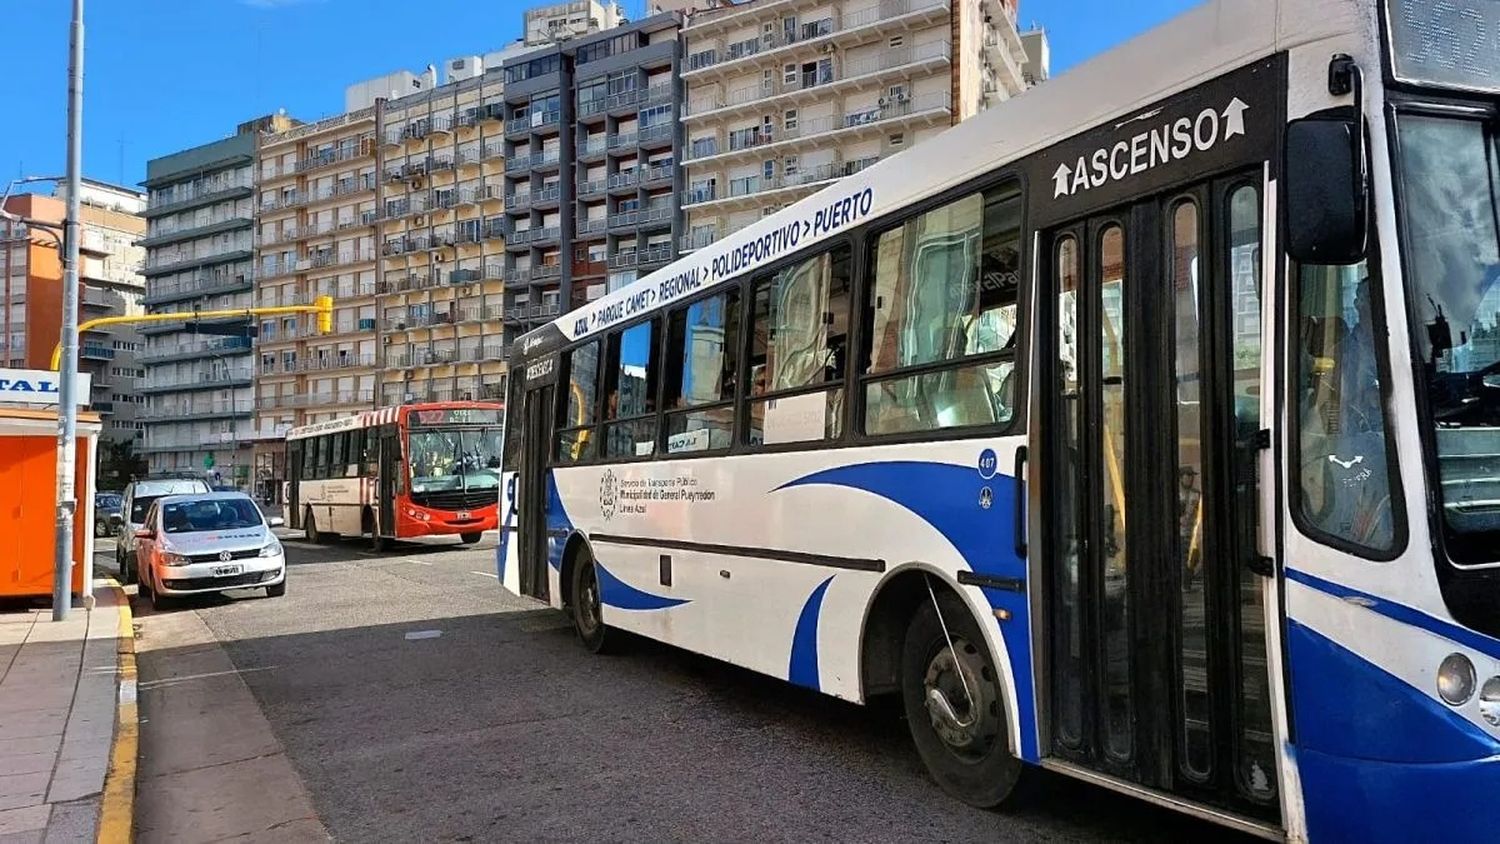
1445, 43
455, 416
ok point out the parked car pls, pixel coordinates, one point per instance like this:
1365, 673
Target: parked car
107, 513
211, 542
139, 496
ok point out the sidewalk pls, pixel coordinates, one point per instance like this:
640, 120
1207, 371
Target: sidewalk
59, 696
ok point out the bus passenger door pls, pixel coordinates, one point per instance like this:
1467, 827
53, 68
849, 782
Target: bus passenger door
385, 489
1157, 641
531, 527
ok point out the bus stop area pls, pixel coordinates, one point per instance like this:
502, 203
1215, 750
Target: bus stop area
67, 710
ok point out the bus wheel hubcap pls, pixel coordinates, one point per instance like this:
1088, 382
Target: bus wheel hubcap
589, 605
964, 707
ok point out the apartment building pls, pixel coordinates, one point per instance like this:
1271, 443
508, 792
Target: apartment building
592, 149
199, 248
110, 284
441, 239
786, 96
560, 21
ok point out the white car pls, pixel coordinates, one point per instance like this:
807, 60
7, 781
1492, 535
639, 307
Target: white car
204, 543
137, 500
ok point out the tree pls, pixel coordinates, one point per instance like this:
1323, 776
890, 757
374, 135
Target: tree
118, 463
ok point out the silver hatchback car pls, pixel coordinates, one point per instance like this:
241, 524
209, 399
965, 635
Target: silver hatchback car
208, 542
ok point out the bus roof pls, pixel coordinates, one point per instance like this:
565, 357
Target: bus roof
1202, 43
382, 416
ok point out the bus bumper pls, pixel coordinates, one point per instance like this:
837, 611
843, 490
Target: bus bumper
1380, 802
437, 523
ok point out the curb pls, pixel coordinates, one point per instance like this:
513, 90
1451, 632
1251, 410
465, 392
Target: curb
117, 809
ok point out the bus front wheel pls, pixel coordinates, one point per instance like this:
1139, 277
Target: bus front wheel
952, 695
470, 538
588, 618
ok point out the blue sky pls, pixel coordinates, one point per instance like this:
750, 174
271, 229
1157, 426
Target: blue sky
163, 75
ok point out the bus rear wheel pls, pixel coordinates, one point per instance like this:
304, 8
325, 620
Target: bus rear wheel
470, 538
955, 707
310, 525
588, 616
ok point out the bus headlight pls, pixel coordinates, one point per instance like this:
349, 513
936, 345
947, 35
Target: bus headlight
417, 514
1456, 679
1489, 701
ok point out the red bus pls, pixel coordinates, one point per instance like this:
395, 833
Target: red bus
397, 473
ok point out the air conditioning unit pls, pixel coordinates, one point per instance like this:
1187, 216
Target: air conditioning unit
416, 184
884, 101
386, 339
466, 291
828, 48
419, 220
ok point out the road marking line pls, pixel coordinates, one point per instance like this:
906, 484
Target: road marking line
417, 562
423, 634
486, 574
172, 681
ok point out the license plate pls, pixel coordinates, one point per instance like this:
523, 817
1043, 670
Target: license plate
463, 514
226, 571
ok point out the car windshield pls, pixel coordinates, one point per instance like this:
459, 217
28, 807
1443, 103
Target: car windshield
209, 514
445, 460
1451, 183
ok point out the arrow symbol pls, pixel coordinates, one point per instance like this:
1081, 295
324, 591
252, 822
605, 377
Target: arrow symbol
1234, 118
1061, 180
806, 226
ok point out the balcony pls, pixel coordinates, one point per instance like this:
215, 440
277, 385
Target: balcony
934, 107
333, 399
592, 147
618, 141
532, 123
168, 265
656, 215
548, 195
658, 174
887, 16
655, 135
583, 227
493, 271
90, 351
493, 229
518, 162
181, 200
517, 200
328, 158
655, 255
591, 187
622, 180
202, 285
624, 219
803, 180
544, 272
697, 239
871, 71
193, 412
204, 381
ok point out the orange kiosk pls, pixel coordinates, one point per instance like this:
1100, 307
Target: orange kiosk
28, 494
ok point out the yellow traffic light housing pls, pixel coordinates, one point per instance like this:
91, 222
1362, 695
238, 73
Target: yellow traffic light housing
324, 304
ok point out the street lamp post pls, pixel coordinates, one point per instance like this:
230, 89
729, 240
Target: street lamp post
67, 412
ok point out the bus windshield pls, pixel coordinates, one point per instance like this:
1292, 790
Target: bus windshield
446, 460
1451, 183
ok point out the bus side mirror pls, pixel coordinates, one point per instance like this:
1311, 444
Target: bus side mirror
1327, 192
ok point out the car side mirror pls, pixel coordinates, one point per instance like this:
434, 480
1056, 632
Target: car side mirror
145, 533
276, 522
1327, 192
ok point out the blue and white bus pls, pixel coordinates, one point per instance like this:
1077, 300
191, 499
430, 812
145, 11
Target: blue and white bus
1144, 428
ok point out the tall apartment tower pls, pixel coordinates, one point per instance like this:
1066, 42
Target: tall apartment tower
592, 150
785, 98
559, 22
110, 285
440, 286
198, 257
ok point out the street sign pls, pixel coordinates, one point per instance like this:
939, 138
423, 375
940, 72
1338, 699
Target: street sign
208, 461
38, 386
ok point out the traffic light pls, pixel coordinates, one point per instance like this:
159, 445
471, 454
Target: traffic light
324, 304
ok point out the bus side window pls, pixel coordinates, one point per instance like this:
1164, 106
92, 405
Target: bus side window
513, 430
798, 350
944, 289
1344, 477
309, 458
575, 442
702, 359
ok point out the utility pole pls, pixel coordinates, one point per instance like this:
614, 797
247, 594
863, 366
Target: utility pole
67, 412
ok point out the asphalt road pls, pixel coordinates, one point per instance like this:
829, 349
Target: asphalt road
417, 701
